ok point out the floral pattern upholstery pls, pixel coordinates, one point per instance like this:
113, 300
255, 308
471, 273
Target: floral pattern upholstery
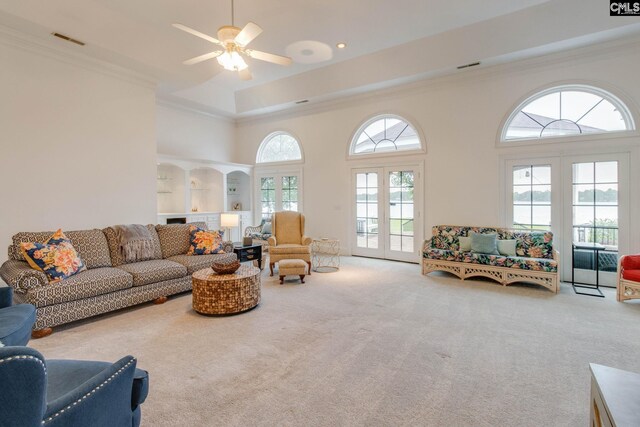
204, 242
56, 257
521, 263
91, 245
530, 244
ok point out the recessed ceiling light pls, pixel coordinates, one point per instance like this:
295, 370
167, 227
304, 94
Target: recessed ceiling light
341, 45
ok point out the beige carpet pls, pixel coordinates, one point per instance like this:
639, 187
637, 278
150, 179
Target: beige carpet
373, 344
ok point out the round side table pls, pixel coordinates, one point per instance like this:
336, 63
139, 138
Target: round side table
215, 293
325, 255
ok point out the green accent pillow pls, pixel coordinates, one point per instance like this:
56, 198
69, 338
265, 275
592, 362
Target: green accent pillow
507, 247
465, 244
484, 243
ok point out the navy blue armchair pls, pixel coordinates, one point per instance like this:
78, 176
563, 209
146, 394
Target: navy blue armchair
16, 321
69, 393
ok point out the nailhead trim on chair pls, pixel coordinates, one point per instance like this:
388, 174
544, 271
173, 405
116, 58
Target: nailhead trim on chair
9, 359
90, 393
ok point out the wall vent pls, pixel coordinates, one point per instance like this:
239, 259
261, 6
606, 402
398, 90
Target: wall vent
67, 38
302, 101
473, 64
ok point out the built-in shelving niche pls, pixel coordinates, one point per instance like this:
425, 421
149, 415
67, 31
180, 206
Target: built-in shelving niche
206, 188
170, 188
238, 191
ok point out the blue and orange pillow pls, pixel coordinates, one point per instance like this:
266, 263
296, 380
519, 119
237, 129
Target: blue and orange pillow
204, 242
56, 257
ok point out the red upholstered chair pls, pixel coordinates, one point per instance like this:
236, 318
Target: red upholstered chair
628, 277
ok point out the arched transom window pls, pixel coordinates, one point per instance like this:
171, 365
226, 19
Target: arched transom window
279, 147
567, 111
385, 134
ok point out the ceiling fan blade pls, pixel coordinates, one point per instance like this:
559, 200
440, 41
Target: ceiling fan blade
248, 33
269, 57
197, 34
245, 74
204, 57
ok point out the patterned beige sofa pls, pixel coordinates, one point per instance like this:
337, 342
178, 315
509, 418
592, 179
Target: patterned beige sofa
109, 283
536, 260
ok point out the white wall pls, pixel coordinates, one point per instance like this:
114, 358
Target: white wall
78, 145
460, 117
192, 135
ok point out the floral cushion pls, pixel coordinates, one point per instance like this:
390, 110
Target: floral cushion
521, 263
204, 242
533, 244
56, 257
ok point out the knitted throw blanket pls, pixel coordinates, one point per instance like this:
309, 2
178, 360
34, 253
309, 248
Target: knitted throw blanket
134, 242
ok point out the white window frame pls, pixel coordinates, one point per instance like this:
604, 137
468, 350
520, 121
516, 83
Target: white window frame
268, 138
354, 138
561, 176
420, 218
598, 90
624, 205
556, 190
277, 174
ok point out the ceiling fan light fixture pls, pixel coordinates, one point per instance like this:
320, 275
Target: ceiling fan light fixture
232, 61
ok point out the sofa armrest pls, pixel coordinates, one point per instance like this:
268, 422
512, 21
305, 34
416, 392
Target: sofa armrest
306, 240
104, 399
256, 229
140, 389
6, 296
21, 277
272, 241
426, 244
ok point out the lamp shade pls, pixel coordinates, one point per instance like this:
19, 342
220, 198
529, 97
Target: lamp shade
229, 220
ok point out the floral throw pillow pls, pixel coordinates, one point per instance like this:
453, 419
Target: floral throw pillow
204, 242
56, 257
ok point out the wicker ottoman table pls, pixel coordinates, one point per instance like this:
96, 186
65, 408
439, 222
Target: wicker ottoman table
226, 293
288, 267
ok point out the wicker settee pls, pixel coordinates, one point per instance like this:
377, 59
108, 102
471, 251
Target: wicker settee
260, 234
536, 261
109, 283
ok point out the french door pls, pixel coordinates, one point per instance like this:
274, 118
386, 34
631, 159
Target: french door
596, 212
387, 221
582, 199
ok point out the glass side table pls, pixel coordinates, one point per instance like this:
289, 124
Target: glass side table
325, 255
596, 248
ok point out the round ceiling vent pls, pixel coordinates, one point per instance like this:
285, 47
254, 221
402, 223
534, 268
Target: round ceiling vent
309, 52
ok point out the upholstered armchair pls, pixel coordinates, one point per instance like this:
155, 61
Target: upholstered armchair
628, 277
16, 321
69, 393
288, 240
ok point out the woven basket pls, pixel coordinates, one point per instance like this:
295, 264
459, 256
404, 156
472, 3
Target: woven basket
226, 267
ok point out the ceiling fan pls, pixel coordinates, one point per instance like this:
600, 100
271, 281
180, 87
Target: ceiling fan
234, 41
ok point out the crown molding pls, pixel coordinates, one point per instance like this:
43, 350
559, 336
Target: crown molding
177, 105
488, 70
37, 45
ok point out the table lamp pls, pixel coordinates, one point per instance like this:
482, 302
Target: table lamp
229, 220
